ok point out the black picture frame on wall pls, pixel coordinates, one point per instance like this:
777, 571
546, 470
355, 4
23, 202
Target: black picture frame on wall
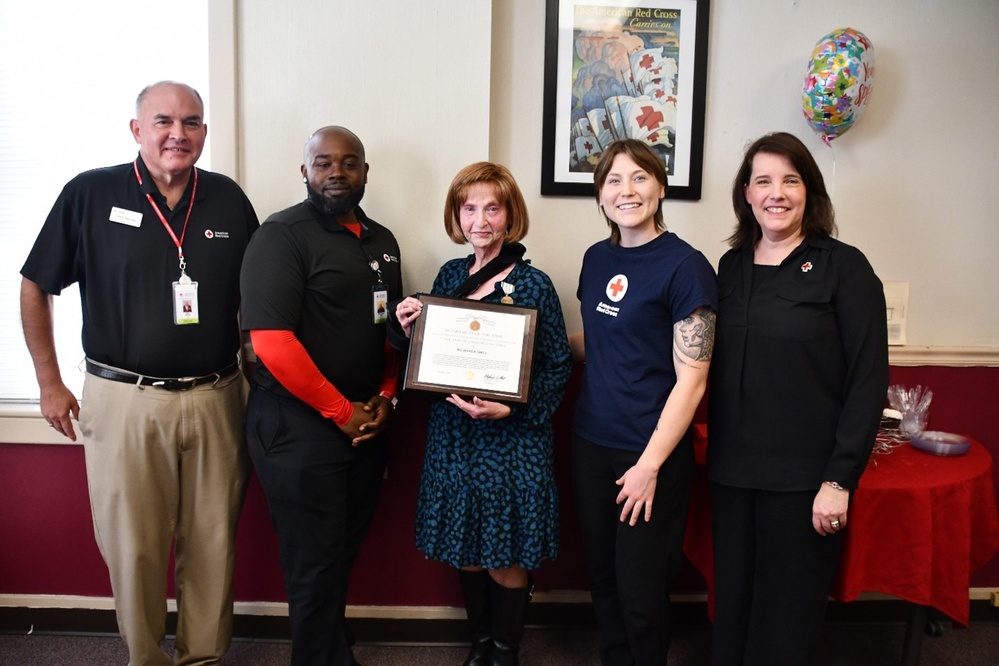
624, 68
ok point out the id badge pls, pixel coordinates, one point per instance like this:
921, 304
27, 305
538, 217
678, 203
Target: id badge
379, 303
185, 303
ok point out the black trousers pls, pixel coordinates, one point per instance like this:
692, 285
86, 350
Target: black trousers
773, 573
631, 568
321, 492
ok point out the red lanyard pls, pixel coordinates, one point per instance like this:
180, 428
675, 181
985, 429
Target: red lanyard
166, 225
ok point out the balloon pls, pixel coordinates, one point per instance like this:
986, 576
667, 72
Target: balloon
838, 82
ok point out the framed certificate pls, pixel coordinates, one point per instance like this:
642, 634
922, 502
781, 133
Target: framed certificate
472, 348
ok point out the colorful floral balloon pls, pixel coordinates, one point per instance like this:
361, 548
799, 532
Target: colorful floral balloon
838, 82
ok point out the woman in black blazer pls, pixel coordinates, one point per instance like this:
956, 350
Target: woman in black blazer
797, 386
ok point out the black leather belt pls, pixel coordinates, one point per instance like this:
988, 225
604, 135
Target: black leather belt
169, 384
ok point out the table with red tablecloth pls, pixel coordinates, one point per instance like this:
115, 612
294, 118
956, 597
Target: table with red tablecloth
919, 525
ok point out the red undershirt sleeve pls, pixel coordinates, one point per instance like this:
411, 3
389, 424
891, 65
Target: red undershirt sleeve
287, 360
390, 380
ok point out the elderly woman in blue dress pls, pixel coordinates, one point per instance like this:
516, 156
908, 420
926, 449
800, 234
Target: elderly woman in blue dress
488, 503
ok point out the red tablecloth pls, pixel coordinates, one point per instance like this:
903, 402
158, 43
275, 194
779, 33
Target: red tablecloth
919, 525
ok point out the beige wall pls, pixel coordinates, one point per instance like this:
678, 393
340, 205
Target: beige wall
411, 79
433, 85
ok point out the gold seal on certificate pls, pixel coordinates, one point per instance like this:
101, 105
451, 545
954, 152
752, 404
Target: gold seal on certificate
472, 348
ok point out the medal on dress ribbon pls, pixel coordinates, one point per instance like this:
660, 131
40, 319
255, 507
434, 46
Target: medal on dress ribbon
507, 290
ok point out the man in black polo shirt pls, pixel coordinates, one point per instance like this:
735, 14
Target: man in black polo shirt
155, 246
316, 281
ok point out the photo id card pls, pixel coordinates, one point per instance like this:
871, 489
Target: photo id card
379, 303
185, 303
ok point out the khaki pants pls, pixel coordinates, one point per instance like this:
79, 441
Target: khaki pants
164, 466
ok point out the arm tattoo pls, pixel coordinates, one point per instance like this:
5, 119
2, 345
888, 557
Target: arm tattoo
694, 336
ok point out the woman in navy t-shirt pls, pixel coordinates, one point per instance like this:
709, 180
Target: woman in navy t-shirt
648, 303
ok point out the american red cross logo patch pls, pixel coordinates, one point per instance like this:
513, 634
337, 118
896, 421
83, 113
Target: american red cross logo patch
617, 287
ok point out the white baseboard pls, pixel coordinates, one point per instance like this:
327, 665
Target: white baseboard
279, 609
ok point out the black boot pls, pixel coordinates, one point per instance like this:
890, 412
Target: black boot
475, 590
509, 611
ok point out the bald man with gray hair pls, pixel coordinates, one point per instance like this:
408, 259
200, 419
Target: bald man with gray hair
156, 247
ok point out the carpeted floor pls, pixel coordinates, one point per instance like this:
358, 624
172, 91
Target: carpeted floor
844, 644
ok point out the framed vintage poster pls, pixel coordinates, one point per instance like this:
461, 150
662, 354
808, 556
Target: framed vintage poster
617, 69
472, 348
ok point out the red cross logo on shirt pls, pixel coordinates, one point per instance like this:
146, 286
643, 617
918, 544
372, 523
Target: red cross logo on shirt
805, 267
617, 287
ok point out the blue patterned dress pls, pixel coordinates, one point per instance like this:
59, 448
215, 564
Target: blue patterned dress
487, 493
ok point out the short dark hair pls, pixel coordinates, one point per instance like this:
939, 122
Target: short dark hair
818, 218
507, 192
647, 159
332, 129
